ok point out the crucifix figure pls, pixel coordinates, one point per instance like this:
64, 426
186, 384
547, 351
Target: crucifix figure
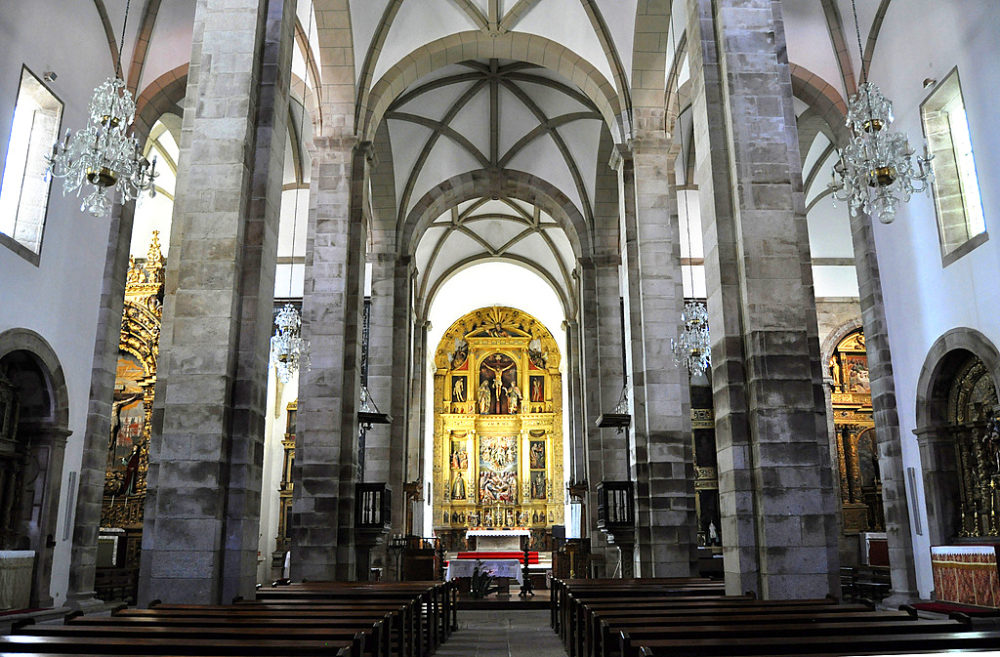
497, 381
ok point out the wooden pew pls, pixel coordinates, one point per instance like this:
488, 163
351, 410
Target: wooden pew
585, 625
560, 588
399, 624
179, 646
630, 640
438, 599
834, 645
372, 637
609, 628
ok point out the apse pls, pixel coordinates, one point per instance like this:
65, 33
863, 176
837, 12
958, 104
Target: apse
484, 285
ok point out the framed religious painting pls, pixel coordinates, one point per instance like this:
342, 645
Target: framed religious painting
536, 389
536, 454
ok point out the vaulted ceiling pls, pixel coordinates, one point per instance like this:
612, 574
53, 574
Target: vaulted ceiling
445, 115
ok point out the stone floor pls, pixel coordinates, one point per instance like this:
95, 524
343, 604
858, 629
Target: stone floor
506, 633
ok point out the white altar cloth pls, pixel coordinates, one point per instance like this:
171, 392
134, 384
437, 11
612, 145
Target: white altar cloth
497, 540
496, 567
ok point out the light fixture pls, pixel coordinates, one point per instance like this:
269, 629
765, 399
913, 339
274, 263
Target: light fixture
289, 351
877, 168
619, 418
368, 413
104, 154
693, 347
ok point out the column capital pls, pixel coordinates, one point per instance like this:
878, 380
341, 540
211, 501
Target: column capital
619, 154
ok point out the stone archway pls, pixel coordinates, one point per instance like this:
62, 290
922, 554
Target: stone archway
954, 360
34, 462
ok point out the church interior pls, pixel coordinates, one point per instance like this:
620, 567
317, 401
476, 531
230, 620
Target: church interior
369, 301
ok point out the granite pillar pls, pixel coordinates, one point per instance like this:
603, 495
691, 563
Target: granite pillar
203, 501
779, 509
654, 301
325, 471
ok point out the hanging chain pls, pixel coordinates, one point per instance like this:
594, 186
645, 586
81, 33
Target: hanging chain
302, 121
861, 50
679, 128
121, 44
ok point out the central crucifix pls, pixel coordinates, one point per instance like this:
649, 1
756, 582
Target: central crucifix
497, 380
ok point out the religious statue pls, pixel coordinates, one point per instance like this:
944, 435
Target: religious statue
458, 389
713, 534
116, 417
131, 463
835, 372
991, 445
485, 401
497, 381
458, 356
513, 398
458, 488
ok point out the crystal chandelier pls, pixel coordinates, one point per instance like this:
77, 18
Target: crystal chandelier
877, 169
693, 347
289, 352
104, 154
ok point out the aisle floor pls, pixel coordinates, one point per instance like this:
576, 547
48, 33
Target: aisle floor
505, 633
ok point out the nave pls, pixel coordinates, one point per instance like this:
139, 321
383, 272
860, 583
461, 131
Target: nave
652, 617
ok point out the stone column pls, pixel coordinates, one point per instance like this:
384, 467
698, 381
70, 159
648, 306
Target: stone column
576, 468
902, 569
381, 366
325, 468
775, 481
203, 503
654, 301
402, 370
383, 454
90, 495
603, 374
417, 408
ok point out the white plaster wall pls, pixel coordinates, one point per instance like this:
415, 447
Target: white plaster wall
59, 298
279, 395
923, 299
170, 40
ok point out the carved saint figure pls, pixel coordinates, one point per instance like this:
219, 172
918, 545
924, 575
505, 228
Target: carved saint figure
458, 488
485, 399
835, 372
458, 390
513, 398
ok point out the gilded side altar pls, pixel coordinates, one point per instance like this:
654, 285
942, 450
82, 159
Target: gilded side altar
498, 444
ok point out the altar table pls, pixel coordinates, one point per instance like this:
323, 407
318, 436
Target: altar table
496, 567
497, 540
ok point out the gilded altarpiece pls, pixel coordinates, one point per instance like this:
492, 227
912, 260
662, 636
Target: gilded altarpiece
498, 444
974, 424
854, 429
131, 413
